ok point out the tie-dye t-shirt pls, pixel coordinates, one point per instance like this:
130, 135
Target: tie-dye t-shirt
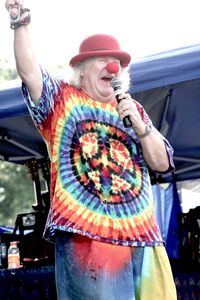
100, 185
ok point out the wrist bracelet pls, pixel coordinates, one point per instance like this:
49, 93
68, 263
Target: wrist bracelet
17, 22
147, 132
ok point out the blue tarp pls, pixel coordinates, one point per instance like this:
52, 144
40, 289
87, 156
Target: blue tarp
168, 86
19, 138
167, 210
166, 68
12, 103
6, 229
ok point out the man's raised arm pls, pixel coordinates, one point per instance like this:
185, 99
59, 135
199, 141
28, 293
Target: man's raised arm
26, 63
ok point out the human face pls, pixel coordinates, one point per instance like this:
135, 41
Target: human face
96, 78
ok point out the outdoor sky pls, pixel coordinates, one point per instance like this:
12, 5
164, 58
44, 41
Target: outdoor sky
143, 27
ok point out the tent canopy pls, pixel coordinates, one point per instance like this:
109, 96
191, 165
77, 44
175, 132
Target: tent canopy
19, 138
168, 86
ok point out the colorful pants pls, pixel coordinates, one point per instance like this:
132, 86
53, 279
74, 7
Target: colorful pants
91, 270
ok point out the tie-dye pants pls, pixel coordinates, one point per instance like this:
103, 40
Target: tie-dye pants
91, 270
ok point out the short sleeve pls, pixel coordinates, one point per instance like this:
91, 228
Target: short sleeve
50, 88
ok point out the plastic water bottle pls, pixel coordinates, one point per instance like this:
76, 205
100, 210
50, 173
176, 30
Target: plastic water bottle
13, 256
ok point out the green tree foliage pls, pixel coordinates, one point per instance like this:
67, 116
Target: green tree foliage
6, 72
16, 192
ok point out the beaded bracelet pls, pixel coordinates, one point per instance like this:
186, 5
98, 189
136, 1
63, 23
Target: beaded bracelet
16, 22
147, 132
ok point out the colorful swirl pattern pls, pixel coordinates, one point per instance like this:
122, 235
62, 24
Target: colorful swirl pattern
100, 186
100, 182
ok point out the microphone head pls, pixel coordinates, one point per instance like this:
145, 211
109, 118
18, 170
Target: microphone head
116, 83
112, 68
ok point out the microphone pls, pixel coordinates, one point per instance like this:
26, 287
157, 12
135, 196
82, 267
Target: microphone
117, 87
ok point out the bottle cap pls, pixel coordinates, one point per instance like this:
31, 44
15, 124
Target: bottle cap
13, 243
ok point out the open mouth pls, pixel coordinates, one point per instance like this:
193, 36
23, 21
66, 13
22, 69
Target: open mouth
107, 78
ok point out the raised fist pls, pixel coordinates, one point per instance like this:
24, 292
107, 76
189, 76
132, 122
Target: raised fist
13, 7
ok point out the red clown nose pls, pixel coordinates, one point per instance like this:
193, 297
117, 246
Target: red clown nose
112, 68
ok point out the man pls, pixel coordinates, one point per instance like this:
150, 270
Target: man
107, 241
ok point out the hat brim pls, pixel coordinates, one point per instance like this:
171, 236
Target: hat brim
124, 57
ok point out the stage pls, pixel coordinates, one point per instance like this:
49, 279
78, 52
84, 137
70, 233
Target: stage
38, 283
35, 283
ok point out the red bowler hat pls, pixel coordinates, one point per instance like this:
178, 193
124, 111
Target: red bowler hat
101, 45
